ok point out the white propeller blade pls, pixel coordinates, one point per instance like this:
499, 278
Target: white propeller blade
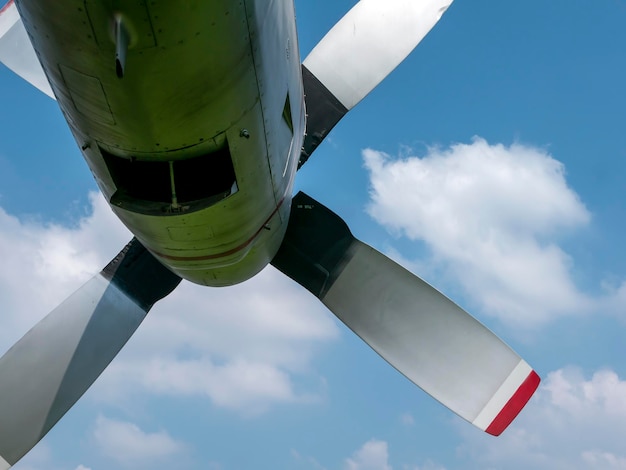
419, 331
16, 51
49, 369
369, 42
432, 341
365, 46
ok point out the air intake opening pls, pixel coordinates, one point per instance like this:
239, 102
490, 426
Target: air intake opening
171, 186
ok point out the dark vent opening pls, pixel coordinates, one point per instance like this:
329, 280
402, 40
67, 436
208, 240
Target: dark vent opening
287, 113
206, 176
140, 179
210, 176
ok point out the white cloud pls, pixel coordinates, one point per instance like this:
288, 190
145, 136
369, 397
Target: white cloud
243, 347
407, 419
302, 461
374, 455
43, 263
491, 216
614, 299
127, 444
572, 422
429, 465
247, 387
596, 459
82, 467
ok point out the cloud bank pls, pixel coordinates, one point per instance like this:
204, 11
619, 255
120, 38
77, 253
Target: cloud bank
374, 455
491, 216
130, 446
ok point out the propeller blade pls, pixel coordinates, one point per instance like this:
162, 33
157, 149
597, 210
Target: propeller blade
16, 51
415, 328
365, 46
49, 369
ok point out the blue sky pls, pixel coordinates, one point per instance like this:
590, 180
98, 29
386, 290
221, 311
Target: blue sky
491, 163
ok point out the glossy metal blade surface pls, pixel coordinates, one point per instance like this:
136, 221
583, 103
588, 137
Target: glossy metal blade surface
357, 54
49, 369
369, 42
414, 327
16, 50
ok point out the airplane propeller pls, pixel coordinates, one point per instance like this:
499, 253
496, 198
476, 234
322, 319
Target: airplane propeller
418, 330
